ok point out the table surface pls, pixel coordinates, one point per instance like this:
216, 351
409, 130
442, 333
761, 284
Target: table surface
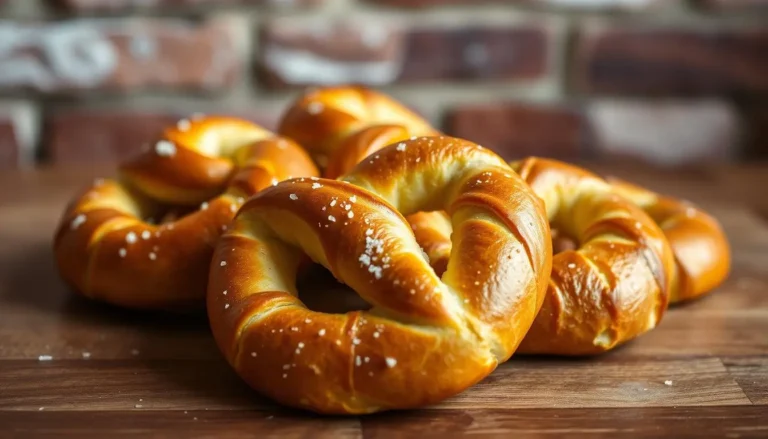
703, 371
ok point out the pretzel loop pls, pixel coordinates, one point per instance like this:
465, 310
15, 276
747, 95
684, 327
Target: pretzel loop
136, 241
425, 338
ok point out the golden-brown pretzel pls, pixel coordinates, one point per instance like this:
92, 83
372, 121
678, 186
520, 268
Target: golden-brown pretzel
105, 246
616, 284
321, 119
702, 252
425, 339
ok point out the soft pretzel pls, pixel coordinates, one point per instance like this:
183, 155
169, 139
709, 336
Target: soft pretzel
108, 248
616, 284
322, 119
702, 252
425, 338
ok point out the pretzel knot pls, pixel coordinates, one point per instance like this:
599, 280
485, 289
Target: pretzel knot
145, 239
425, 338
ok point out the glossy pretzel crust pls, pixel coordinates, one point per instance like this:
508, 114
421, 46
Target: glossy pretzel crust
425, 338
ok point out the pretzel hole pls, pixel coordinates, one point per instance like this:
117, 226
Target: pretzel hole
321, 292
562, 242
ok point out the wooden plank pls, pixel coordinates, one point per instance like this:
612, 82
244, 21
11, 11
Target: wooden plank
751, 373
176, 424
603, 382
674, 422
520, 383
122, 385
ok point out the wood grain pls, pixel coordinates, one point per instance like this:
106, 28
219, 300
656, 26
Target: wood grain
703, 372
677, 422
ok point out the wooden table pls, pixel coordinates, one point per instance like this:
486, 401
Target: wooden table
702, 372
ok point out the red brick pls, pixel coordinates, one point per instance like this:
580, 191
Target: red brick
18, 130
666, 133
294, 53
665, 61
119, 5
516, 130
96, 135
117, 55
734, 4
575, 4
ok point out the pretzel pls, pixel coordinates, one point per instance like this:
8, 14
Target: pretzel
702, 252
321, 120
616, 284
425, 338
191, 182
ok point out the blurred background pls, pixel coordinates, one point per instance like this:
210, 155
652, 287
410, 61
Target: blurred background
664, 82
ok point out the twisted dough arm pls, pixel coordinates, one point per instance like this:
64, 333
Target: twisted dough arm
107, 250
192, 162
702, 252
425, 339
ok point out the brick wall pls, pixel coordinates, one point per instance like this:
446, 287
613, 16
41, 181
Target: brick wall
666, 81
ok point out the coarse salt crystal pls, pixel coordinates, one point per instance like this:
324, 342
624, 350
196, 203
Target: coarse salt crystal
315, 107
331, 218
226, 306
293, 197
183, 125
321, 332
122, 252
204, 205
316, 185
223, 263
146, 235
391, 362
165, 148
44, 358
78, 221
401, 147
152, 256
